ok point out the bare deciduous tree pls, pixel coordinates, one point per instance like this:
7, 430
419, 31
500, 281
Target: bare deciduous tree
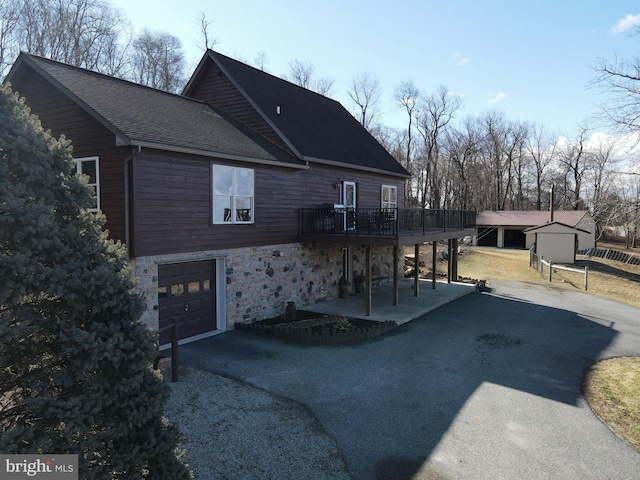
463, 147
541, 147
83, 33
621, 78
497, 167
573, 161
158, 61
323, 86
261, 61
407, 96
600, 179
302, 73
9, 20
207, 41
628, 212
437, 110
518, 162
365, 94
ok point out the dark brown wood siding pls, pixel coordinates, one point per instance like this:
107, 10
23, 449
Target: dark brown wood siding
89, 138
173, 208
215, 88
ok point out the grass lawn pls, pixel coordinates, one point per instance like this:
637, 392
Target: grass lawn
607, 278
612, 388
497, 264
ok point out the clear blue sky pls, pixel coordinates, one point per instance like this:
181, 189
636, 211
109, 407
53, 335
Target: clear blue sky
532, 60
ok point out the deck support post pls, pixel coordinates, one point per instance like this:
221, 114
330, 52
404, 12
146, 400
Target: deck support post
396, 255
449, 260
454, 259
367, 282
434, 255
416, 270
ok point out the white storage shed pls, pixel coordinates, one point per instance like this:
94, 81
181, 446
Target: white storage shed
505, 228
555, 242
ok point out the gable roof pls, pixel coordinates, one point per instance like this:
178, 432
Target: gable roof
147, 117
316, 128
530, 218
555, 227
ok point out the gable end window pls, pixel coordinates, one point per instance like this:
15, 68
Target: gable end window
90, 166
232, 195
389, 197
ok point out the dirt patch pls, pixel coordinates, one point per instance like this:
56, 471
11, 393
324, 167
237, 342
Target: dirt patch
612, 388
315, 329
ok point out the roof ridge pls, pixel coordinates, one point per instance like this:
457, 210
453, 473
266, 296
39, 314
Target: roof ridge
276, 77
109, 77
146, 116
324, 118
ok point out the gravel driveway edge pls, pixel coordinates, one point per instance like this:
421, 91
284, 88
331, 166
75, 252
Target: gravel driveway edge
232, 430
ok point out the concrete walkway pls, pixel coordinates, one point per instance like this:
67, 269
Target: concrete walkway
409, 306
486, 387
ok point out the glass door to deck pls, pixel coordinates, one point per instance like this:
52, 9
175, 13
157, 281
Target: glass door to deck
349, 202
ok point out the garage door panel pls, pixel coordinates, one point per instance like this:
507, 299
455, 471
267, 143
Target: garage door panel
192, 269
187, 291
194, 306
514, 238
175, 310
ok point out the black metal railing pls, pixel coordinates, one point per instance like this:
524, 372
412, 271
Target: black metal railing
429, 220
388, 222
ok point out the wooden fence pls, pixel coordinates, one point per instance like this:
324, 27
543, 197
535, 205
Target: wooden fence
546, 268
174, 347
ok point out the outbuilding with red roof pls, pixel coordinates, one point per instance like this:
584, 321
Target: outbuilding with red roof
507, 228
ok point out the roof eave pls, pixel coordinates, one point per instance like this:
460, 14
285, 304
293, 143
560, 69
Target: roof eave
538, 227
211, 154
354, 167
195, 73
24, 58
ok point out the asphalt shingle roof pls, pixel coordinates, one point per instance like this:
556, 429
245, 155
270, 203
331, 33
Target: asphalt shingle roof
317, 127
139, 114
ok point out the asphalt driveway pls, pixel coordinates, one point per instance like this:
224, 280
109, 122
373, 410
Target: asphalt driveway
488, 386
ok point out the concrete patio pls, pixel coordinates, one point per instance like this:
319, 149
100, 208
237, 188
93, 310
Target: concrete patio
409, 306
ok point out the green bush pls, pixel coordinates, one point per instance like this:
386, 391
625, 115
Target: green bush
76, 370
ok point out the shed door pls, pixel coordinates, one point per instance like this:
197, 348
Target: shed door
187, 291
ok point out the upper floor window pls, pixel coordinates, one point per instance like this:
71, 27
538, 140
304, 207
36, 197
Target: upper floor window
232, 195
90, 166
389, 197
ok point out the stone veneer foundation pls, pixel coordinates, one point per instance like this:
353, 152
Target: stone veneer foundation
259, 281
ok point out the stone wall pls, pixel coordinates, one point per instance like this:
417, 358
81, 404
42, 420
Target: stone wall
259, 281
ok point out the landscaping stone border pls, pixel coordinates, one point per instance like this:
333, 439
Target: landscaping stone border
319, 331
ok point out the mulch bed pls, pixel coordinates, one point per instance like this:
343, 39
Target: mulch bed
316, 329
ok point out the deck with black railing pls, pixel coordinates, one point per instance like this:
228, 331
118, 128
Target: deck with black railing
384, 226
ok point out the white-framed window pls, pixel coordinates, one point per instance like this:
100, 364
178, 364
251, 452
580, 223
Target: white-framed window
233, 200
90, 166
389, 197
